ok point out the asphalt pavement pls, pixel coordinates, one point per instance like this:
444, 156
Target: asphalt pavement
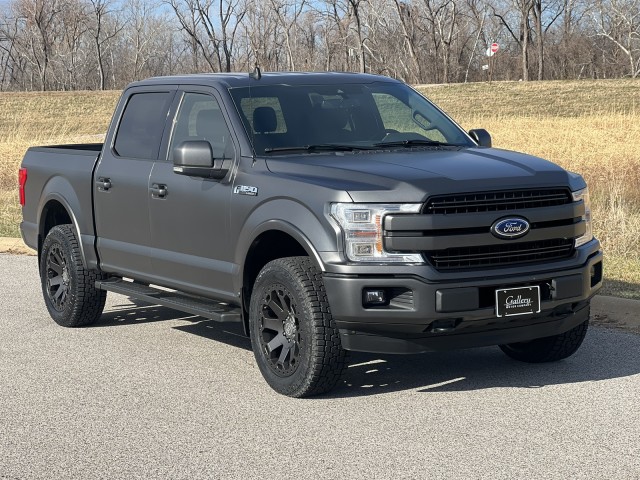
152, 393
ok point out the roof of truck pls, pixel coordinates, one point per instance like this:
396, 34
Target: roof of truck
231, 80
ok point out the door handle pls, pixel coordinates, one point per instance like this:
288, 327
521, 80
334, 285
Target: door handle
158, 190
104, 184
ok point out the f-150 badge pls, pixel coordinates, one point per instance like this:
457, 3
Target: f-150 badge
246, 190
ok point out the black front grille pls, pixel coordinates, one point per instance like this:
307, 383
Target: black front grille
501, 255
496, 201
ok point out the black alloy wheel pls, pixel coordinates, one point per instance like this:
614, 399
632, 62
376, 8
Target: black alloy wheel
280, 337
57, 277
293, 335
68, 287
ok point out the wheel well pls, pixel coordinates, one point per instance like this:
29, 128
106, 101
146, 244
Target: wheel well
267, 247
53, 214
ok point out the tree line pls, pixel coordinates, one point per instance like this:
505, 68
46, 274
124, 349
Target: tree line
104, 44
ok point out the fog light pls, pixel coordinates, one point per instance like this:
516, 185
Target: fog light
374, 297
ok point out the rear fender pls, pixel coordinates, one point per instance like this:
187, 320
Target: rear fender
60, 190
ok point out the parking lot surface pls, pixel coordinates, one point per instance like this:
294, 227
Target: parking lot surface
152, 393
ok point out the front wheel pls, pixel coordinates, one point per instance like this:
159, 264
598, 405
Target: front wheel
548, 349
293, 335
68, 288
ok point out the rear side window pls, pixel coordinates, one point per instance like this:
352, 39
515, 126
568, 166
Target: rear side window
142, 124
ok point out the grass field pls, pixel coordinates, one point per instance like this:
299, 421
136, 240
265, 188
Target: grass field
589, 127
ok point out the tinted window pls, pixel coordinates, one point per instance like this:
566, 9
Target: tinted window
250, 105
142, 124
280, 118
200, 118
399, 117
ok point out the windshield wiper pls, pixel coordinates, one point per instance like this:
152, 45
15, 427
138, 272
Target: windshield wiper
417, 142
324, 147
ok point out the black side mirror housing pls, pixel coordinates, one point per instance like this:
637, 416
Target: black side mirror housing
481, 137
195, 158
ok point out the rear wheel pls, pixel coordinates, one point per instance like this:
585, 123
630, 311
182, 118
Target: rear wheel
293, 335
548, 349
68, 288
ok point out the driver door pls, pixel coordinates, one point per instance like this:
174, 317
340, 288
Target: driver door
189, 215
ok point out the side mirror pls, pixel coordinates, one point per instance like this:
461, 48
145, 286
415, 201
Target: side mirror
481, 137
195, 158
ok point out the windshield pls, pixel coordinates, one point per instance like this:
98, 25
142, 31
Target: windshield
283, 118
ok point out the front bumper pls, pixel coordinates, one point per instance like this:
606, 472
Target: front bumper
426, 316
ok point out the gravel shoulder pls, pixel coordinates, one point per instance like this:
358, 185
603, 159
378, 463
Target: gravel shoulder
611, 312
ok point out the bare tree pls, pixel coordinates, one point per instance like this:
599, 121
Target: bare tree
212, 25
288, 13
8, 33
521, 35
619, 22
71, 53
356, 12
40, 17
80, 44
407, 18
104, 25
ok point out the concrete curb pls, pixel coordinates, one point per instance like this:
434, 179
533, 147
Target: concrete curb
15, 246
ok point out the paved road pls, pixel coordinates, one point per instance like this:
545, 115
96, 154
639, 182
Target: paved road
150, 393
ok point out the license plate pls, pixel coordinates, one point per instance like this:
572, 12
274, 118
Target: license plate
517, 301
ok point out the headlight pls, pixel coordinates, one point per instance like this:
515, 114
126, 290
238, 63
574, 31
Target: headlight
361, 225
588, 234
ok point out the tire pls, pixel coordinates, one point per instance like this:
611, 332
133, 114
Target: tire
293, 335
68, 288
548, 349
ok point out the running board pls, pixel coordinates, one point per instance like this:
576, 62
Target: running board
220, 312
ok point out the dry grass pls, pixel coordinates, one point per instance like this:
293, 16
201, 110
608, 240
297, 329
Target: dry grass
590, 127
28, 119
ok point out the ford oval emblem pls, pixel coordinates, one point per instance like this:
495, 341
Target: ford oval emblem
510, 228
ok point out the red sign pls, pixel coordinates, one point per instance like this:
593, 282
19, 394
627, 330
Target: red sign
494, 47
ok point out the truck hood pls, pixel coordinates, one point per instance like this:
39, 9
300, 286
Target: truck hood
415, 174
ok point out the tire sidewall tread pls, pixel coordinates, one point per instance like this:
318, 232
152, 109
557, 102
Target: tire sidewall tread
85, 303
322, 357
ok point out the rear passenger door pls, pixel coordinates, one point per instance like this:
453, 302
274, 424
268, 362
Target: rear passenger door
121, 181
190, 221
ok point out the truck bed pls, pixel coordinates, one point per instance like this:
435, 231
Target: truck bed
62, 174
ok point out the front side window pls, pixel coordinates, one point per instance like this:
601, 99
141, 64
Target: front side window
200, 118
142, 124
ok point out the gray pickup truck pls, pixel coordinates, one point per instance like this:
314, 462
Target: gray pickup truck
326, 212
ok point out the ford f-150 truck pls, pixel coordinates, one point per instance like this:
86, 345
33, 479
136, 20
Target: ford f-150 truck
326, 212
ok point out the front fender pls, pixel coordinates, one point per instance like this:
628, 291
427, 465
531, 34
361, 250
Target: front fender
301, 223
